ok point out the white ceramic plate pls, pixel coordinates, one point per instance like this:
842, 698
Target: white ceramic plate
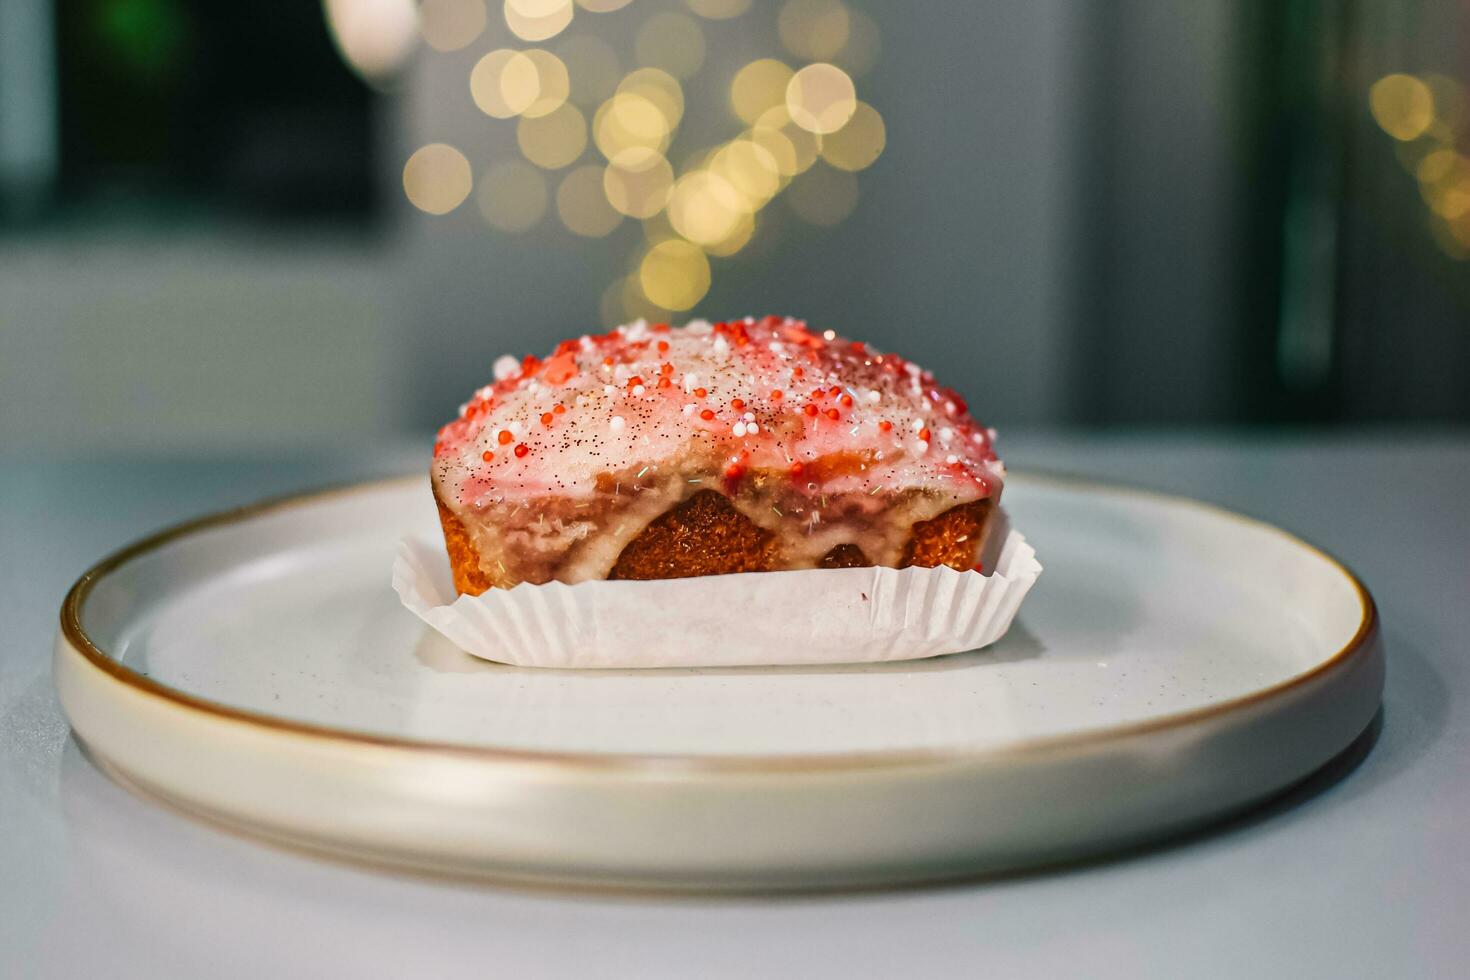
1175, 663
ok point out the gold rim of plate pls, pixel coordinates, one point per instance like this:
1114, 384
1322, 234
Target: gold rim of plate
76, 598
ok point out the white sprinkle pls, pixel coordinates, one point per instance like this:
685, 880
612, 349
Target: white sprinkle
874, 397
949, 407
752, 428
689, 409
749, 416
946, 434
586, 344
697, 327
638, 390
989, 432
951, 459
515, 428
829, 335
722, 347
485, 392
739, 429
616, 423
464, 408
506, 367
918, 424
775, 346
691, 381
608, 389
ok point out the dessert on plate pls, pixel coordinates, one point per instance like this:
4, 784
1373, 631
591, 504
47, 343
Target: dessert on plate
654, 452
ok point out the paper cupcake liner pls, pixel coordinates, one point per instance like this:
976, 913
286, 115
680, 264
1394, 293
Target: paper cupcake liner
814, 616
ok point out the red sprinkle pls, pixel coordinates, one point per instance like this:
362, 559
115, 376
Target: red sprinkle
776, 395
559, 409
797, 372
923, 435
505, 437
663, 382
810, 409
521, 449
832, 413
846, 401
634, 381
706, 415
663, 346
796, 469
666, 368
607, 362
737, 404
700, 392
546, 418
487, 455
885, 426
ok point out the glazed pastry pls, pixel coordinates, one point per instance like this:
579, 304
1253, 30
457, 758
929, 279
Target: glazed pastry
753, 445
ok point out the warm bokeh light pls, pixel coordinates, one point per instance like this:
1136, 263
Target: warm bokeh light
552, 83
593, 66
629, 121
759, 86
804, 144
554, 140
637, 182
672, 42
602, 6
1444, 182
437, 178
823, 196
658, 87
751, 169
705, 208
537, 20
448, 25
504, 83
1402, 105
512, 196
814, 30
582, 205
738, 238
821, 98
374, 37
674, 274
859, 143
719, 9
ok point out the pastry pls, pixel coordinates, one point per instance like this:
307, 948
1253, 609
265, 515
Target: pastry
752, 445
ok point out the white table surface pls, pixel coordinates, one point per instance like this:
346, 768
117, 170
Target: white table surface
1362, 872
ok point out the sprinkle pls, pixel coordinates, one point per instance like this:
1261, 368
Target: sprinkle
749, 416
700, 392
722, 348
951, 459
874, 397
689, 409
739, 429
797, 372
691, 378
506, 367
829, 335
608, 389
737, 404
487, 455
810, 409
505, 437
777, 510
521, 449
776, 395
796, 469
663, 346
885, 426
696, 480
560, 409
634, 381
918, 424
752, 428
924, 435
640, 473
666, 368
663, 382
637, 390
846, 401
833, 414
616, 423
706, 415
546, 418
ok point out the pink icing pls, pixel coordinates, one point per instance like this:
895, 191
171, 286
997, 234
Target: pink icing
751, 394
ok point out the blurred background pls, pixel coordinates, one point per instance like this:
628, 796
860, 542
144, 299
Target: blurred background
286, 223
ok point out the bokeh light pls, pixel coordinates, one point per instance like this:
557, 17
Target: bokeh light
814, 30
448, 25
629, 121
375, 37
602, 6
658, 87
582, 205
860, 53
751, 169
823, 196
821, 98
537, 20
672, 42
738, 238
674, 274
719, 9
512, 196
554, 140
758, 87
704, 208
803, 144
504, 83
859, 143
593, 67
1402, 105
437, 178
552, 83
637, 182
